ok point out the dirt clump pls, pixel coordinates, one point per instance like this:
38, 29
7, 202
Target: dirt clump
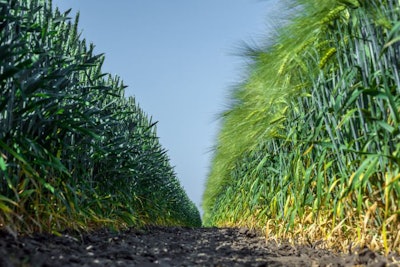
172, 246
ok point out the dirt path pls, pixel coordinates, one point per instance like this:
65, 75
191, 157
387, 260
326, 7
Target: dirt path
169, 247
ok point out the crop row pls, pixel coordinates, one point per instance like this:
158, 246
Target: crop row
309, 148
74, 151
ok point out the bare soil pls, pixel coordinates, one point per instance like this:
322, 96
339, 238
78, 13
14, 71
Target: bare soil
172, 246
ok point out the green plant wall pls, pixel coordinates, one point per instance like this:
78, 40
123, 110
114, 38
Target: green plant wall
309, 148
74, 151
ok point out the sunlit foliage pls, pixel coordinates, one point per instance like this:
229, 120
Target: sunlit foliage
309, 148
74, 151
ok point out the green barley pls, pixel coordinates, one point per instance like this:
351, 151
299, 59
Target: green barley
74, 152
321, 142
325, 58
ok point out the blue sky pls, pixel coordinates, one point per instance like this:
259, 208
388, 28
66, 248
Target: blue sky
178, 59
